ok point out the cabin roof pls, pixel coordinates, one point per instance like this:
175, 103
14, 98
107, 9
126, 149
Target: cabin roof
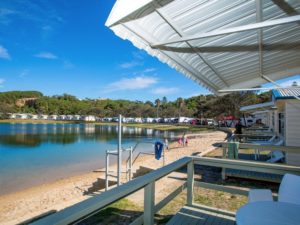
218, 44
286, 93
256, 107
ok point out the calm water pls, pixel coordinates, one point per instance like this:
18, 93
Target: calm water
32, 154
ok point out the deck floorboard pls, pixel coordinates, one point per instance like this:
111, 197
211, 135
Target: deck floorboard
194, 216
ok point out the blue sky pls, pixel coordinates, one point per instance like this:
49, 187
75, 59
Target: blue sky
60, 46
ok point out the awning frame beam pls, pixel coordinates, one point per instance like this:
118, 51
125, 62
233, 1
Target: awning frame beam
248, 27
259, 18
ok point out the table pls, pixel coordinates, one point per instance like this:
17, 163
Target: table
268, 213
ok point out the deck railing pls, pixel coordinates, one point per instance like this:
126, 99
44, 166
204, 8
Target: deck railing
147, 182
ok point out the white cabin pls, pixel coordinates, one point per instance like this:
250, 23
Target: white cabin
42, 117
33, 117
89, 118
61, 117
138, 120
281, 115
52, 117
12, 116
76, 117
22, 116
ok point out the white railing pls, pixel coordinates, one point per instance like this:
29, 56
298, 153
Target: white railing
95, 204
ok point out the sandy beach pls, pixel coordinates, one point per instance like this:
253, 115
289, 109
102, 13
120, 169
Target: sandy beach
21, 206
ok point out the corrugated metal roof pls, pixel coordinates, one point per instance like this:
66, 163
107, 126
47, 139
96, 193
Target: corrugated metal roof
260, 106
286, 93
230, 60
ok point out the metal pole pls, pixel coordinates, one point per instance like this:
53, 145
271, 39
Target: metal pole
130, 164
163, 156
119, 149
106, 171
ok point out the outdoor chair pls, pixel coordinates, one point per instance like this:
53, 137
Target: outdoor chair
289, 191
276, 156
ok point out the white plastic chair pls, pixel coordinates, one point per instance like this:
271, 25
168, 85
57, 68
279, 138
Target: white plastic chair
289, 191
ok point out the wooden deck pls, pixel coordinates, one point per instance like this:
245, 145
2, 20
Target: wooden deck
195, 216
254, 175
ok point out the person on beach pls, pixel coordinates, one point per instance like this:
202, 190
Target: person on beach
184, 138
180, 142
186, 141
238, 130
166, 143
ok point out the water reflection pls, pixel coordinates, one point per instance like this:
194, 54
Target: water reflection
33, 135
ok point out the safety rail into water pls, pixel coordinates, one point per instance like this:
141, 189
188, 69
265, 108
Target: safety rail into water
96, 203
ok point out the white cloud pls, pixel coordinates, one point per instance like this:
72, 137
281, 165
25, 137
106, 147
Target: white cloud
137, 60
135, 83
131, 64
24, 73
68, 65
290, 82
46, 55
148, 70
4, 53
164, 90
5, 15
1, 82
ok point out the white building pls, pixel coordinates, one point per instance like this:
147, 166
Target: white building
53, 117
148, 120
42, 117
33, 117
138, 120
89, 118
281, 115
61, 117
22, 116
12, 116
77, 117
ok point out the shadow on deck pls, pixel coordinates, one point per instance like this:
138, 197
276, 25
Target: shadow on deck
276, 178
197, 216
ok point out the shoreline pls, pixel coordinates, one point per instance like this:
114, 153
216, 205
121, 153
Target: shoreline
156, 126
23, 205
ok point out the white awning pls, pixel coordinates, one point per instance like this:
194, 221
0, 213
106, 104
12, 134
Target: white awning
221, 44
256, 107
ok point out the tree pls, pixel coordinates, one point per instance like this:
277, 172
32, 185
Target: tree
164, 101
157, 103
179, 103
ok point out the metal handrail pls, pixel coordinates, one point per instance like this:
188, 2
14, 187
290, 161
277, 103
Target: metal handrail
289, 149
94, 204
99, 201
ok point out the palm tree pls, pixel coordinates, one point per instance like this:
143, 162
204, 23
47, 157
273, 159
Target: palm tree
157, 103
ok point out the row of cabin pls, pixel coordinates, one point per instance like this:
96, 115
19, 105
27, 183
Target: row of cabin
282, 116
94, 118
25, 116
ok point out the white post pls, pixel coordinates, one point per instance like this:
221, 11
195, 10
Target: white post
149, 196
107, 170
164, 156
130, 164
190, 183
119, 149
224, 169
